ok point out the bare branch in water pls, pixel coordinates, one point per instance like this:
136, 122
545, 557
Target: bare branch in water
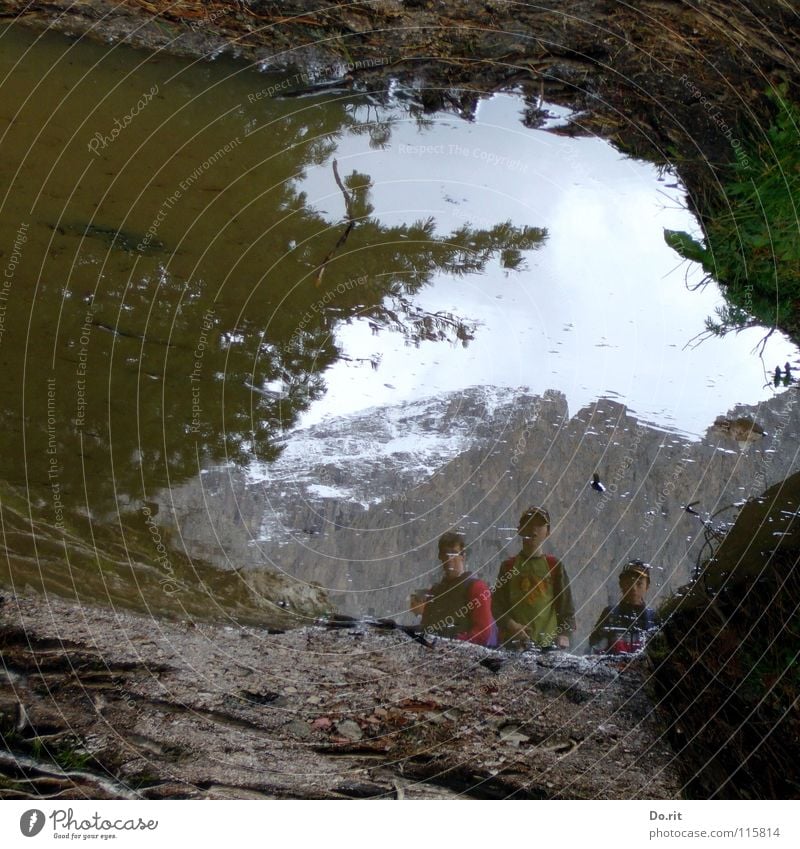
348, 205
763, 343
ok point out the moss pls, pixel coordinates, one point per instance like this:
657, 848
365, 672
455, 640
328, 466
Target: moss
752, 237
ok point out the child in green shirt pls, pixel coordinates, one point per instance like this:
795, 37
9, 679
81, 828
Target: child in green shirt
532, 601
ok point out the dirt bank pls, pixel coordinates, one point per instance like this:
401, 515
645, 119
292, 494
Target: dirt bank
726, 669
96, 704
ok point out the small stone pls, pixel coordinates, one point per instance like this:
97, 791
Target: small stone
514, 738
512, 733
322, 723
313, 700
299, 729
290, 691
349, 730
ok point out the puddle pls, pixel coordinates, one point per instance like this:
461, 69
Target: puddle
194, 268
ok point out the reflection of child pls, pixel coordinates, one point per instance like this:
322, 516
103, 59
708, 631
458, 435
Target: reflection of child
624, 628
460, 605
532, 598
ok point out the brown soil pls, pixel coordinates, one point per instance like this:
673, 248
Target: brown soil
632, 69
130, 707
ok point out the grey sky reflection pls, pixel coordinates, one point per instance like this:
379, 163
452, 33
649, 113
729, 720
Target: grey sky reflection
602, 309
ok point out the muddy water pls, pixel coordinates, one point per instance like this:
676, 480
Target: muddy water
170, 294
186, 274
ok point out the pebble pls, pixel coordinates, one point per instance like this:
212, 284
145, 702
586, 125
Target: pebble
349, 729
299, 729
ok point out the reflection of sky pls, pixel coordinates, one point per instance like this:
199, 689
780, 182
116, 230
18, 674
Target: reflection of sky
602, 309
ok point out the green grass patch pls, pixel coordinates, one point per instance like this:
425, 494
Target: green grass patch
752, 232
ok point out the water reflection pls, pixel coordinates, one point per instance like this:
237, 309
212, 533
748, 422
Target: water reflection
190, 274
175, 299
604, 309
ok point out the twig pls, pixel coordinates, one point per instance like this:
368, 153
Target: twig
348, 205
700, 337
763, 343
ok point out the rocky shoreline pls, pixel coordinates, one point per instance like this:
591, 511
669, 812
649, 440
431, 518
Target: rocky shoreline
103, 704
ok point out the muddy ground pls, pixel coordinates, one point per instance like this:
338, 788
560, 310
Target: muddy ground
102, 705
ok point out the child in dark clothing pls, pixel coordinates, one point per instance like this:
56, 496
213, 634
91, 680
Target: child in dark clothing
460, 605
624, 627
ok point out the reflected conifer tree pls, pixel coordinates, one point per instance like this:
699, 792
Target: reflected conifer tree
135, 367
